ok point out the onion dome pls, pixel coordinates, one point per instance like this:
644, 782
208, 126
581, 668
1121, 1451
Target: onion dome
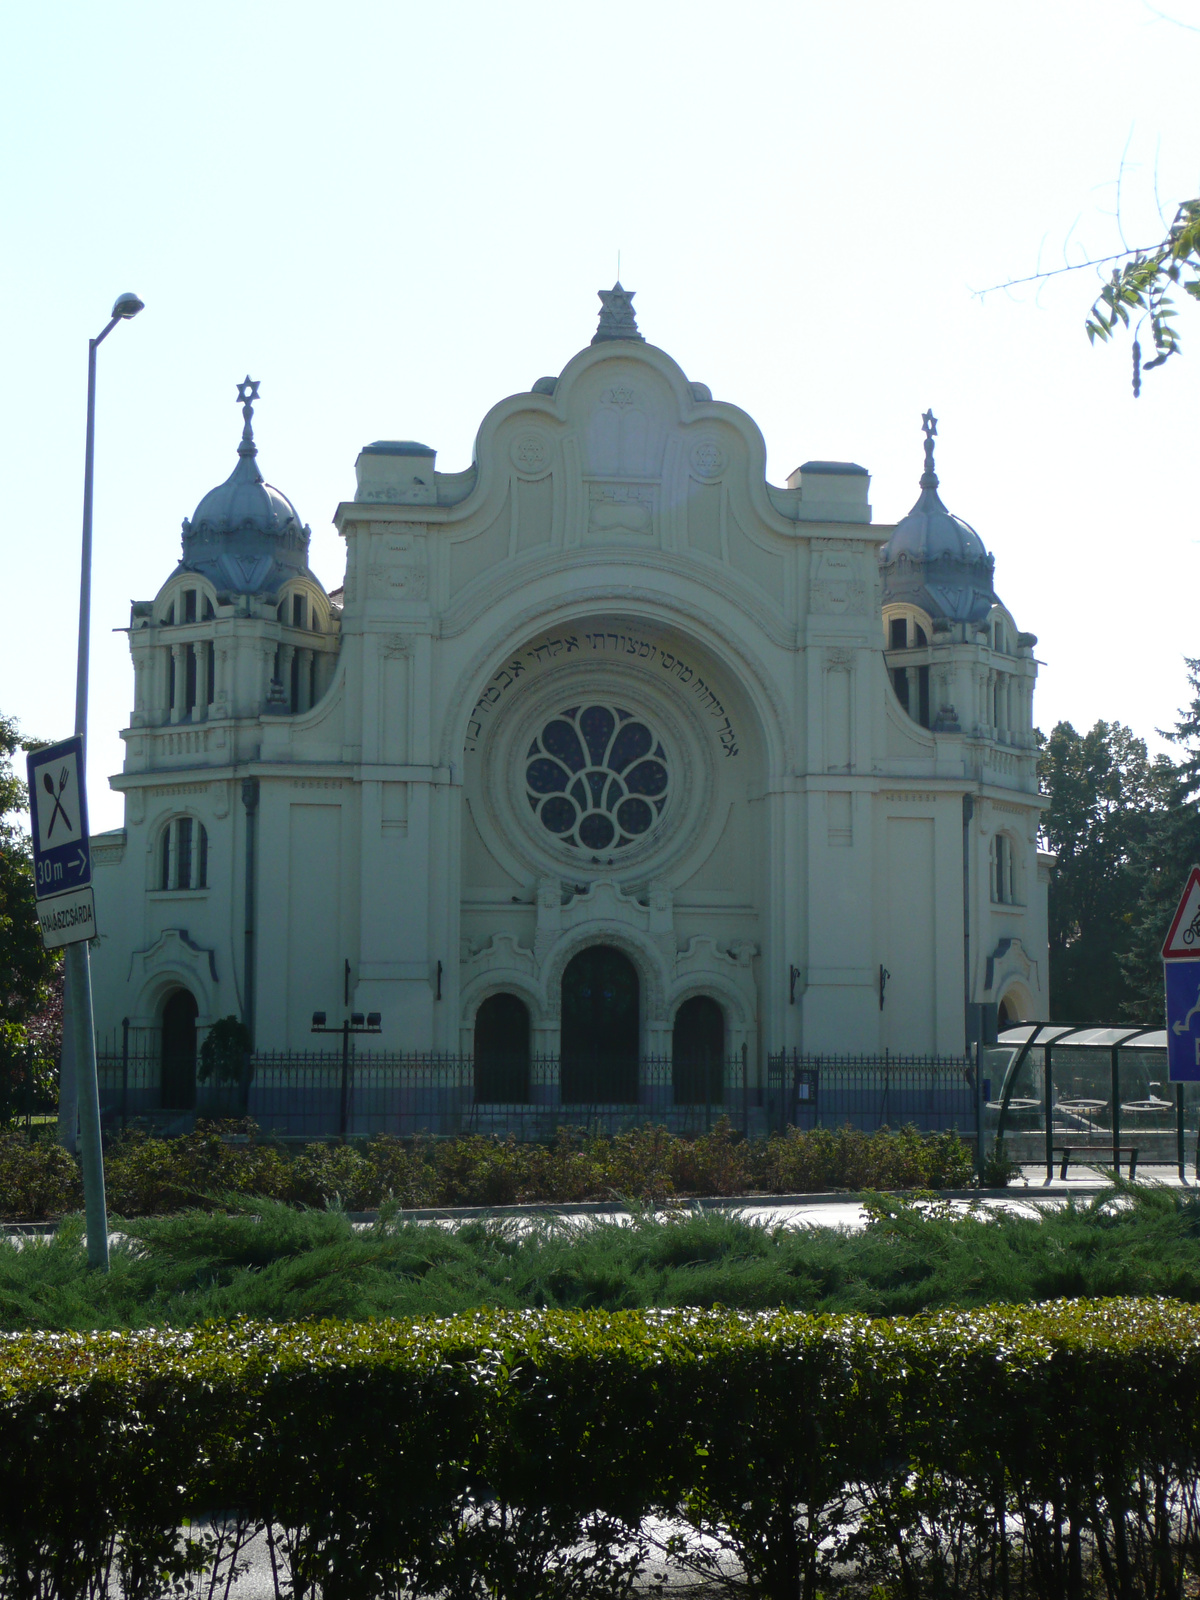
245, 535
934, 559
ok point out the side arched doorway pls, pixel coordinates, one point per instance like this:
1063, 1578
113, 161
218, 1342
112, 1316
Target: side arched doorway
600, 1006
698, 1052
1007, 1014
178, 1081
502, 1051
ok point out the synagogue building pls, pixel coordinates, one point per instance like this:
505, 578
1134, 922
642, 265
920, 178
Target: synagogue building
606, 750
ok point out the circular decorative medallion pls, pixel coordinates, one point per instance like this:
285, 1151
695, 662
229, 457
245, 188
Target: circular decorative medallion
597, 777
530, 453
708, 459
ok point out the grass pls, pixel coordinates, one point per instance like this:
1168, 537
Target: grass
265, 1259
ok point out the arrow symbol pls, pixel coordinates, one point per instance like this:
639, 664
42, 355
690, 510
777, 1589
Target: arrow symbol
82, 867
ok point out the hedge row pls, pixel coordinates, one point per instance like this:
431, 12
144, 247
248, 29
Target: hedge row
1050, 1451
151, 1176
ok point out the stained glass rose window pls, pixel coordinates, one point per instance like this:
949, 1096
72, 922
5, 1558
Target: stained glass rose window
597, 777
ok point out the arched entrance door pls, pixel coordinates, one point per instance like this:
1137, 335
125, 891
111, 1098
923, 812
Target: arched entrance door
600, 1004
502, 1050
179, 1052
698, 1052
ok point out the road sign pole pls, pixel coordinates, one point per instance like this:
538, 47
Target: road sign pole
1179, 1132
79, 981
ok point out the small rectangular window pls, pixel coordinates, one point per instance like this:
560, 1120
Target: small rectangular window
299, 609
183, 853
923, 696
900, 679
899, 633
165, 874
208, 609
189, 605
210, 669
189, 696
169, 619
171, 682
202, 859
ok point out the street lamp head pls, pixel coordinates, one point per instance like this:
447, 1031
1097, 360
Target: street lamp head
126, 305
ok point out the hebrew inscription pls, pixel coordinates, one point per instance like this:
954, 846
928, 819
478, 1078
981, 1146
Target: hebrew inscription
629, 647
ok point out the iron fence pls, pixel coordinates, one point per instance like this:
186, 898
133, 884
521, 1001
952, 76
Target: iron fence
935, 1093
321, 1094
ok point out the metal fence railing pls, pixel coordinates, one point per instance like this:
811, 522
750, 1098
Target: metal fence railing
934, 1093
321, 1094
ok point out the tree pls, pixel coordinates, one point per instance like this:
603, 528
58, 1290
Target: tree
27, 970
1172, 848
1106, 799
30, 975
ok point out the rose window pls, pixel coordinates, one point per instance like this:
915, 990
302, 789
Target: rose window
597, 777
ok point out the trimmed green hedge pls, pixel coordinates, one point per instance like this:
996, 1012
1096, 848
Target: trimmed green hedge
152, 1176
1049, 1451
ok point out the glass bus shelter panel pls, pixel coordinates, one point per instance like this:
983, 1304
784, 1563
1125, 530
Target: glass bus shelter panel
1026, 1089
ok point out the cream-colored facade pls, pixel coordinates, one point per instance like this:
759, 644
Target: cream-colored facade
607, 687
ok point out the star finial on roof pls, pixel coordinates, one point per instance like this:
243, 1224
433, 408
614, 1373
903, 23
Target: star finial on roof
247, 393
929, 478
617, 320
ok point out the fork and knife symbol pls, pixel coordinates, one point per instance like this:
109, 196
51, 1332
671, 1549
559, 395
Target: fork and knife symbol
56, 796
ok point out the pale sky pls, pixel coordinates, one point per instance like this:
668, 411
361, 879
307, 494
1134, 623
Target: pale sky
393, 215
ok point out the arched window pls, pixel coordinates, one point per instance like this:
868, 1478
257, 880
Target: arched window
1007, 1016
178, 1080
502, 1051
600, 1005
698, 1052
183, 855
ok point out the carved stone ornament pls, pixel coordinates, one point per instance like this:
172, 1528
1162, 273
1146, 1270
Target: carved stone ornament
397, 583
620, 508
837, 589
397, 645
839, 660
707, 458
837, 598
530, 454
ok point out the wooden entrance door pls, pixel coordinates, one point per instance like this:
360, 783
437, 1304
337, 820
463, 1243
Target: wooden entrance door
178, 1081
600, 1005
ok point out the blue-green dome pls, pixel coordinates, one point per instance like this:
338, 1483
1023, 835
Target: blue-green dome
245, 535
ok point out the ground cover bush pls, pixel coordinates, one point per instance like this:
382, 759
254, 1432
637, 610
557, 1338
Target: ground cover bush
274, 1262
148, 1176
1049, 1451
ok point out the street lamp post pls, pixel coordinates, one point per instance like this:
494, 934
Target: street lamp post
78, 966
354, 1023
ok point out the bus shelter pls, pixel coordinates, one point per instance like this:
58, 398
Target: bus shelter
1087, 1093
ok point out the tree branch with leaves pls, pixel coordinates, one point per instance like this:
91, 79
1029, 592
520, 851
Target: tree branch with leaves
1141, 286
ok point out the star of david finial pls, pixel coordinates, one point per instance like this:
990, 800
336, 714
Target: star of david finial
247, 393
617, 320
929, 479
